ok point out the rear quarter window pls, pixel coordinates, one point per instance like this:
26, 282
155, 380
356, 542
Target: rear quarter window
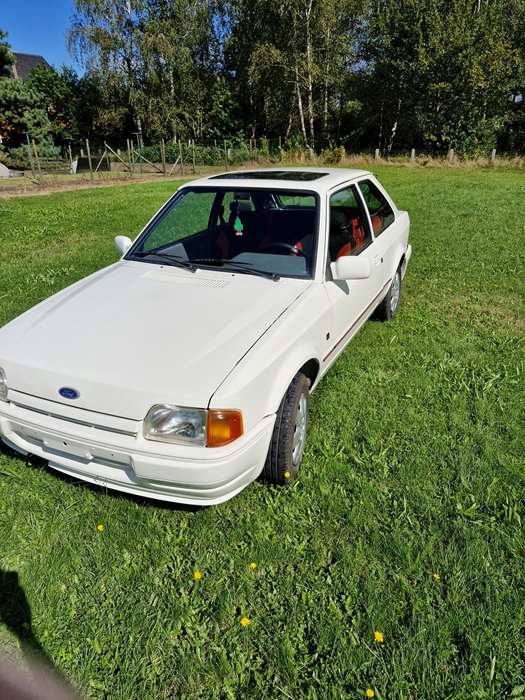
381, 213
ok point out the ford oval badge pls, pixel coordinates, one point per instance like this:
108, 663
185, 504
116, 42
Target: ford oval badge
66, 392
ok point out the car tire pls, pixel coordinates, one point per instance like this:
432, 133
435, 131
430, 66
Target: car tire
289, 434
387, 309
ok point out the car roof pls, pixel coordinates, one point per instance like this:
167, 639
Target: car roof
310, 179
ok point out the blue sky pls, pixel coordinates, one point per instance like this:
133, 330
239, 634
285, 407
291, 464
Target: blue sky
38, 27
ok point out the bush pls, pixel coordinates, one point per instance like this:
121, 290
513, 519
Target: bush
333, 155
18, 158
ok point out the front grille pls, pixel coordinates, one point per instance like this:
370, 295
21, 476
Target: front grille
75, 421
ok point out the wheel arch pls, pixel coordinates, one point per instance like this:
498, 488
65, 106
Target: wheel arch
309, 366
310, 369
269, 385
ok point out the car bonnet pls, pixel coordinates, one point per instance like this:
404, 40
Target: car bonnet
135, 334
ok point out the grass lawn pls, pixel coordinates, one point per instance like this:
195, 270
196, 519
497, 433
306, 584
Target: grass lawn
406, 519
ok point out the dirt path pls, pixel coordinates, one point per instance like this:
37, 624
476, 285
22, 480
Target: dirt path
25, 186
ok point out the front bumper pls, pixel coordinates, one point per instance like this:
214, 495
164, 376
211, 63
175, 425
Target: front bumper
111, 452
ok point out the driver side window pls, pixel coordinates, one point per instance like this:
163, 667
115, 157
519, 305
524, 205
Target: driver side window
349, 230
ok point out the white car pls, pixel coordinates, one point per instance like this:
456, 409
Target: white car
183, 371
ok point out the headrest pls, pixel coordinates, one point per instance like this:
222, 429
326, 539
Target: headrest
237, 206
337, 220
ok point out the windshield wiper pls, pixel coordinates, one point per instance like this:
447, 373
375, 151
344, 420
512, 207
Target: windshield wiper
238, 265
177, 260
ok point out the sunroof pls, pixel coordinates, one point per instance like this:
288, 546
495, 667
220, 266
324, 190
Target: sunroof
294, 175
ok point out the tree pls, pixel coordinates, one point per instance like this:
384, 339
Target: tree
22, 109
154, 61
382, 73
295, 58
438, 72
106, 37
224, 117
179, 67
59, 97
6, 56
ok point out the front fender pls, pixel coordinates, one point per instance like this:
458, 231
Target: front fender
259, 381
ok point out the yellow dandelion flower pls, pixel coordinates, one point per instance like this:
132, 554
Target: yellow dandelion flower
361, 503
286, 475
245, 622
369, 693
197, 575
100, 528
253, 565
378, 636
436, 576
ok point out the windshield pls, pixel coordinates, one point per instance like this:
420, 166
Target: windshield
259, 231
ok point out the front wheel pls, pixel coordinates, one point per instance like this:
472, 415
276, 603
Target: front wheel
289, 434
388, 307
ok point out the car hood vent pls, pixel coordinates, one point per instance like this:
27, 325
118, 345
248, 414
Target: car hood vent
189, 280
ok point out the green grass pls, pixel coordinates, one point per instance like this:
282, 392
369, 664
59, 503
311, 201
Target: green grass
406, 518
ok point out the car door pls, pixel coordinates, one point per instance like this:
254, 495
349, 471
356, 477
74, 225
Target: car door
386, 231
350, 233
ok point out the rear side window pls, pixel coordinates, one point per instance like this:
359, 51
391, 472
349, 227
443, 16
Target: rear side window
381, 213
349, 230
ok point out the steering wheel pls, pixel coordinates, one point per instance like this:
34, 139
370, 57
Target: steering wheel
287, 248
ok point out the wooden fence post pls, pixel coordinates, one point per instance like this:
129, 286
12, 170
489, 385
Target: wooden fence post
89, 159
451, 156
225, 155
130, 158
493, 156
180, 155
413, 155
163, 155
36, 158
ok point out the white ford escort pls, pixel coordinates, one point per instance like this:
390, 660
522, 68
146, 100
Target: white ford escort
183, 371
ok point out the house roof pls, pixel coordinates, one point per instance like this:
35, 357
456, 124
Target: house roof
25, 62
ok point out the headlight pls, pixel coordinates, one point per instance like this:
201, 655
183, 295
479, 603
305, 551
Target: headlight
3, 385
193, 426
173, 424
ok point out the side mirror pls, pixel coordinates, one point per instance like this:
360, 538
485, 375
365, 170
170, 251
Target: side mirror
351, 267
122, 244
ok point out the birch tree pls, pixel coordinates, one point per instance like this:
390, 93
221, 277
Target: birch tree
106, 37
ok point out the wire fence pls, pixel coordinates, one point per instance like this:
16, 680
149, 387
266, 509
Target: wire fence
179, 157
